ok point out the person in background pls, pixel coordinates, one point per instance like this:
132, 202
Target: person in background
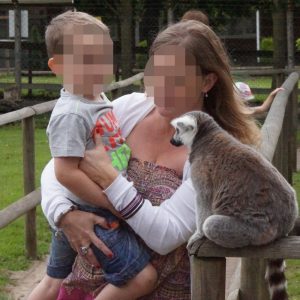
197, 15
244, 92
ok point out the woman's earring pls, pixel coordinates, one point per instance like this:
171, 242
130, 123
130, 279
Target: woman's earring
205, 95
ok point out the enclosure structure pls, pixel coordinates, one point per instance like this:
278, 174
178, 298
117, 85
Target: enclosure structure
208, 262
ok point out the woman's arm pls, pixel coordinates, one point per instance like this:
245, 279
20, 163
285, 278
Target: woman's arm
164, 227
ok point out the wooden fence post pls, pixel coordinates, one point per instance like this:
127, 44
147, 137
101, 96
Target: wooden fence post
253, 284
29, 184
208, 278
293, 130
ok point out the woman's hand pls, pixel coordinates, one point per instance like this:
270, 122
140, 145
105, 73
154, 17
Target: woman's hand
97, 165
78, 226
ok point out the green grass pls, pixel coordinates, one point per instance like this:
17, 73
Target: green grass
36, 93
35, 79
12, 252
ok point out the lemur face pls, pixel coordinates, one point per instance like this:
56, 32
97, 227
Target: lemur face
185, 130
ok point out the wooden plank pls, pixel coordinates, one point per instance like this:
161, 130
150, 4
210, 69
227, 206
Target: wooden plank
293, 129
234, 295
253, 284
16, 115
29, 185
125, 82
208, 278
287, 247
19, 208
274, 120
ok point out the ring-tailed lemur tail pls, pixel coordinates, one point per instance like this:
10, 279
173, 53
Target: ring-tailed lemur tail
276, 279
242, 199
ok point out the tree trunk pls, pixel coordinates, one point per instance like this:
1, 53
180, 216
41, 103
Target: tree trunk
125, 13
290, 34
279, 40
279, 34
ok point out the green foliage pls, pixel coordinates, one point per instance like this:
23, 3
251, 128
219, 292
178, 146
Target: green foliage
267, 44
298, 44
143, 44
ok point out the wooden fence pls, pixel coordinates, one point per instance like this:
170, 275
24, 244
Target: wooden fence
278, 73
208, 262
27, 204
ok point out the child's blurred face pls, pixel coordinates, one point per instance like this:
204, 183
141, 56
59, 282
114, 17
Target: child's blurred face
173, 79
87, 60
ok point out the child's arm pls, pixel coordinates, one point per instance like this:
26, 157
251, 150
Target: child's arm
70, 176
267, 103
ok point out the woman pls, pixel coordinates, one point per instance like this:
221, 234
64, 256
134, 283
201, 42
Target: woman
188, 70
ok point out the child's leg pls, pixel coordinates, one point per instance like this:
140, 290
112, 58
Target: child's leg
47, 289
59, 266
142, 284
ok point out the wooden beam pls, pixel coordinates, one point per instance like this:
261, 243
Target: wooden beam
29, 185
287, 247
19, 208
274, 120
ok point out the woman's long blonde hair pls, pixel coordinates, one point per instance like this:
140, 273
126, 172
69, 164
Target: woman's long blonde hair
221, 102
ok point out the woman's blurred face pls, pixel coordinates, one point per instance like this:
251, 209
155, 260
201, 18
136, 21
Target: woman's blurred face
172, 78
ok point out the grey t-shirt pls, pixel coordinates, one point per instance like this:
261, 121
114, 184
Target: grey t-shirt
72, 125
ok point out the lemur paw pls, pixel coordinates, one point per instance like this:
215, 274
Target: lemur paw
197, 239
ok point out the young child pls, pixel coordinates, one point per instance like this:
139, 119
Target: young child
80, 51
245, 93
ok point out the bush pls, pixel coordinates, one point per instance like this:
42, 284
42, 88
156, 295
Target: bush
267, 44
298, 44
143, 44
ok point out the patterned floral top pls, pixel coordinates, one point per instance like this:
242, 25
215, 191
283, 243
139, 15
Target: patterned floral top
155, 183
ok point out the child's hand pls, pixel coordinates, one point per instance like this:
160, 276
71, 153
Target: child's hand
97, 164
274, 93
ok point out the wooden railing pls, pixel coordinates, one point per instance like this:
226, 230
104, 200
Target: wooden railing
208, 263
27, 204
278, 73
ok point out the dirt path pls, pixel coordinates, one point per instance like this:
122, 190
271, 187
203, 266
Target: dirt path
23, 282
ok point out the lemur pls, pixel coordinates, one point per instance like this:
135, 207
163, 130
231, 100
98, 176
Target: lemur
242, 199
